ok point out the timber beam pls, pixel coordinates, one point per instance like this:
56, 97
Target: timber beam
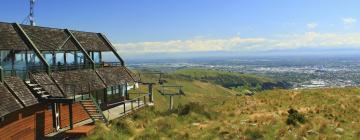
112, 48
32, 45
80, 47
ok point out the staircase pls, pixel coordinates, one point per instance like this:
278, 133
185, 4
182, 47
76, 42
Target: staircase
93, 110
38, 89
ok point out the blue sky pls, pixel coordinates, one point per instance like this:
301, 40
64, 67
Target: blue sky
181, 26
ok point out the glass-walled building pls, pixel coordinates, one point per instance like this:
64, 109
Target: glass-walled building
66, 62
51, 79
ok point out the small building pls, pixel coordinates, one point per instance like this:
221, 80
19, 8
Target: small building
54, 78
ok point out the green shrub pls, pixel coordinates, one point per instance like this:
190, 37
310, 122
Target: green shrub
253, 134
294, 117
194, 107
124, 127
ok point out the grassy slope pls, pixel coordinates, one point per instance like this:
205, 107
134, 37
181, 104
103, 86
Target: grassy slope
219, 114
219, 77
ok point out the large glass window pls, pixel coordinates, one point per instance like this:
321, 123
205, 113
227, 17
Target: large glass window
60, 60
20, 60
80, 59
33, 59
48, 57
96, 57
70, 58
116, 93
6, 60
109, 57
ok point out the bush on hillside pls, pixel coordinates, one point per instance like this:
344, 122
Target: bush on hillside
124, 127
294, 117
253, 134
183, 110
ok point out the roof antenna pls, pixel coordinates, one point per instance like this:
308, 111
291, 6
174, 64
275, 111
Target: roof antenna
31, 15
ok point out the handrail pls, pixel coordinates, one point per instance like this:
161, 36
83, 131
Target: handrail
111, 64
128, 101
139, 93
98, 108
70, 67
172, 86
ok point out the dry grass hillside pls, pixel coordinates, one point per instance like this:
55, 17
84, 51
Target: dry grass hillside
210, 111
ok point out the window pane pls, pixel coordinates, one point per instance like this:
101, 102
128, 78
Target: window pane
80, 58
96, 56
20, 61
109, 57
70, 58
6, 59
59, 58
33, 59
48, 57
108, 91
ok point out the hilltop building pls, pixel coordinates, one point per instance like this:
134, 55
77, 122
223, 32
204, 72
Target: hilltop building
53, 79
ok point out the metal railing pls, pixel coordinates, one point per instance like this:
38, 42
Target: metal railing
70, 67
166, 91
110, 64
99, 109
77, 91
16, 72
135, 103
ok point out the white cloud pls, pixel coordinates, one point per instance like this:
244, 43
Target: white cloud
241, 44
191, 45
349, 21
312, 25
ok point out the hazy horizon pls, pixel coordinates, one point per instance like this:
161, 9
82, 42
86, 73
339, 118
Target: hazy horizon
190, 29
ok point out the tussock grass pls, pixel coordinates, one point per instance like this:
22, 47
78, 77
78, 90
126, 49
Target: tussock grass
210, 111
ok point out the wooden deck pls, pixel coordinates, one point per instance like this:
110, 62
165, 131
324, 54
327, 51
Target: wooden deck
80, 131
63, 130
87, 127
123, 110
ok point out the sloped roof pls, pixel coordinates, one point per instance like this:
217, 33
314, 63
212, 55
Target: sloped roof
21, 90
9, 39
84, 80
48, 39
115, 75
44, 80
91, 41
8, 102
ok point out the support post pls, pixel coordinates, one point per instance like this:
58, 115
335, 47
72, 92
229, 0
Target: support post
126, 92
124, 108
145, 100
138, 100
132, 106
53, 115
151, 96
71, 116
105, 96
171, 102
1, 74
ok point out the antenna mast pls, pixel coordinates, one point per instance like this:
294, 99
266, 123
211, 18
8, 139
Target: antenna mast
31, 15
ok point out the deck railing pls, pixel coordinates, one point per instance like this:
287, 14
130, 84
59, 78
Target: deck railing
16, 72
110, 64
99, 109
135, 103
